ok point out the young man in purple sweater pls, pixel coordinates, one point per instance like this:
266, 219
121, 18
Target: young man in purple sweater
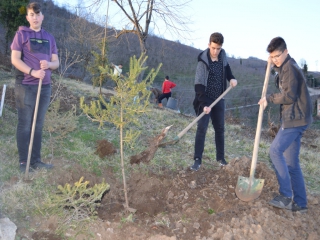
34, 55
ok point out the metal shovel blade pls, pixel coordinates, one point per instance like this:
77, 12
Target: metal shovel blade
249, 189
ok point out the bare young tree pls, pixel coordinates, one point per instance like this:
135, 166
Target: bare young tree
142, 16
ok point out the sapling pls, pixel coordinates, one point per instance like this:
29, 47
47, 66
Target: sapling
130, 100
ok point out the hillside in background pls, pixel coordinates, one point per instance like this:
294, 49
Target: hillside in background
77, 37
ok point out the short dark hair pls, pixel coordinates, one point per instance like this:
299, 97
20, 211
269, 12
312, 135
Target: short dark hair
277, 43
167, 77
216, 38
36, 7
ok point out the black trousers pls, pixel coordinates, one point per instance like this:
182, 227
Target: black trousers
163, 96
217, 119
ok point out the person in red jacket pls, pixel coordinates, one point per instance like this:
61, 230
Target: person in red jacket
166, 90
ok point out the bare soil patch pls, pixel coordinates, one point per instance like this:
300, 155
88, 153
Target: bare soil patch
186, 205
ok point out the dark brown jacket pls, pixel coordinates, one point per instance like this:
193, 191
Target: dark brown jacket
294, 98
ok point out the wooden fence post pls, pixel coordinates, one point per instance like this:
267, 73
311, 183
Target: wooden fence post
2, 98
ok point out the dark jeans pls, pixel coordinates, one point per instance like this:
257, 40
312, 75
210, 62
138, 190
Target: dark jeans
25, 101
217, 120
284, 154
164, 95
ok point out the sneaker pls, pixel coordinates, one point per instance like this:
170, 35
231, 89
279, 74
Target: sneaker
39, 165
297, 208
281, 202
23, 167
222, 162
196, 165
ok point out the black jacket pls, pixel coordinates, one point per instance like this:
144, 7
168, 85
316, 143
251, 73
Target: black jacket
201, 78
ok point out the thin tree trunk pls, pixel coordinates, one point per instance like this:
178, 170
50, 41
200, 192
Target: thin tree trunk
122, 160
143, 51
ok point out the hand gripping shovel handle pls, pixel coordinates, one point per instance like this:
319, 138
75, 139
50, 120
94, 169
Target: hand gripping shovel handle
201, 115
35, 114
177, 138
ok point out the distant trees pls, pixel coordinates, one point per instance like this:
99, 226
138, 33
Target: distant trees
12, 15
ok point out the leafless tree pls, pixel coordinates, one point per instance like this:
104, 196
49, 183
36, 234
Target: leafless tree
140, 16
83, 37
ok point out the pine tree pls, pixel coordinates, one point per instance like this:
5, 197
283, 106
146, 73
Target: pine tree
12, 15
130, 100
100, 60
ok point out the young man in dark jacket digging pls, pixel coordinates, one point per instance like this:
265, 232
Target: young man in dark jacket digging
212, 74
296, 116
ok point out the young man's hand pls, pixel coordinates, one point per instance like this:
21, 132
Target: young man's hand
38, 73
44, 64
206, 110
263, 101
52, 64
233, 82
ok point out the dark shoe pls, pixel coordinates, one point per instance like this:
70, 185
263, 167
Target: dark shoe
222, 162
196, 165
297, 208
41, 165
281, 202
23, 167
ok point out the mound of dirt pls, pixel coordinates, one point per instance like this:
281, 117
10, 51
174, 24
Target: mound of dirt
203, 205
105, 148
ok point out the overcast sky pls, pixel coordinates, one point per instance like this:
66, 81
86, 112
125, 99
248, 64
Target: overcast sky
248, 26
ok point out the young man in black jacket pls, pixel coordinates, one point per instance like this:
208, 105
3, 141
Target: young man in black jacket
212, 74
296, 116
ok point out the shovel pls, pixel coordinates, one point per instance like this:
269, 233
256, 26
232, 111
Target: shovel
147, 155
248, 189
35, 114
177, 138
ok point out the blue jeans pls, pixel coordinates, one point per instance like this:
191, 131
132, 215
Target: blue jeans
217, 120
284, 154
25, 101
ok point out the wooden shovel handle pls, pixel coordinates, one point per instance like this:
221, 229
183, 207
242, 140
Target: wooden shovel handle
203, 113
35, 114
259, 123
